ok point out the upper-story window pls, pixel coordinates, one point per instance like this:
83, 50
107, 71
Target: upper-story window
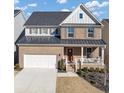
44, 31
71, 32
90, 32
33, 31
81, 15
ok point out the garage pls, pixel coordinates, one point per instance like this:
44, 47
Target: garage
39, 61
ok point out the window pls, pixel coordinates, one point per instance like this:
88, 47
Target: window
33, 31
80, 15
44, 31
91, 32
89, 52
70, 32
52, 31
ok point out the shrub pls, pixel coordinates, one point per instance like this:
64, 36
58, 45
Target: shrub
83, 74
61, 65
85, 69
91, 69
92, 82
97, 69
17, 66
79, 72
102, 70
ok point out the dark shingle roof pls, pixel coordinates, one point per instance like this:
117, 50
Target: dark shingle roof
50, 40
46, 18
16, 12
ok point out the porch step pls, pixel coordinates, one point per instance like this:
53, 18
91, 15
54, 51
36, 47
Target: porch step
70, 68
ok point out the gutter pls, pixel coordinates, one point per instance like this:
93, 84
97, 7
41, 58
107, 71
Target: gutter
70, 45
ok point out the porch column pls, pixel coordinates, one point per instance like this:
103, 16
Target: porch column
82, 55
62, 53
102, 57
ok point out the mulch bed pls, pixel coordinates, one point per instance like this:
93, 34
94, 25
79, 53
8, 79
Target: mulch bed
96, 79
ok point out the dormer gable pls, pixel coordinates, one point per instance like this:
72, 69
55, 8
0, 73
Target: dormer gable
81, 15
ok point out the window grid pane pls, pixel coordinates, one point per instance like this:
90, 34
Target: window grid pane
70, 32
33, 31
91, 32
80, 15
89, 52
45, 31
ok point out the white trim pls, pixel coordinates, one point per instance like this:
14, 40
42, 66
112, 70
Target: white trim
81, 25
102, 56
91, 13
100, 33
88, 33
82, 55
68, 33
27, 32
82, 52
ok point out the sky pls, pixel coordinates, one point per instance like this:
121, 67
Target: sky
100, 8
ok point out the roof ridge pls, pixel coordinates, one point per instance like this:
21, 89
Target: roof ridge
51, 11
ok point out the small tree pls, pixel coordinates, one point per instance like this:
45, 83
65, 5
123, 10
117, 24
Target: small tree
61, 65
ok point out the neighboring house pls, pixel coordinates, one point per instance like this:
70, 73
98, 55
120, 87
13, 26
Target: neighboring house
51, 36
19, 21
105, 36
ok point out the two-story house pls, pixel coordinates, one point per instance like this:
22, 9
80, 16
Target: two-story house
51, 36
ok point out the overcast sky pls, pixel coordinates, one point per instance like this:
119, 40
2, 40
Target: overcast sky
100, 8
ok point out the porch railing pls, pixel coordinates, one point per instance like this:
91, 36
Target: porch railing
92, 60
82, 61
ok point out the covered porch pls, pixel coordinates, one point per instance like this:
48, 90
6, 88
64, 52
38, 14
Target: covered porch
85, 56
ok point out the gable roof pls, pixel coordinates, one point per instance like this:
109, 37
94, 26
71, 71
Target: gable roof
46, 18
87, 11
56, 18
16, 12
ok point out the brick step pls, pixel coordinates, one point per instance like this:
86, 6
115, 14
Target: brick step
70, 68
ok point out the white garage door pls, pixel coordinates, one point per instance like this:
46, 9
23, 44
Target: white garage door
40, 61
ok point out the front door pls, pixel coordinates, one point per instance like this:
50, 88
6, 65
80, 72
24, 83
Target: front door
70, 54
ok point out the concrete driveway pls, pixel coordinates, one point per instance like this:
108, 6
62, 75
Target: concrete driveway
36, 80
